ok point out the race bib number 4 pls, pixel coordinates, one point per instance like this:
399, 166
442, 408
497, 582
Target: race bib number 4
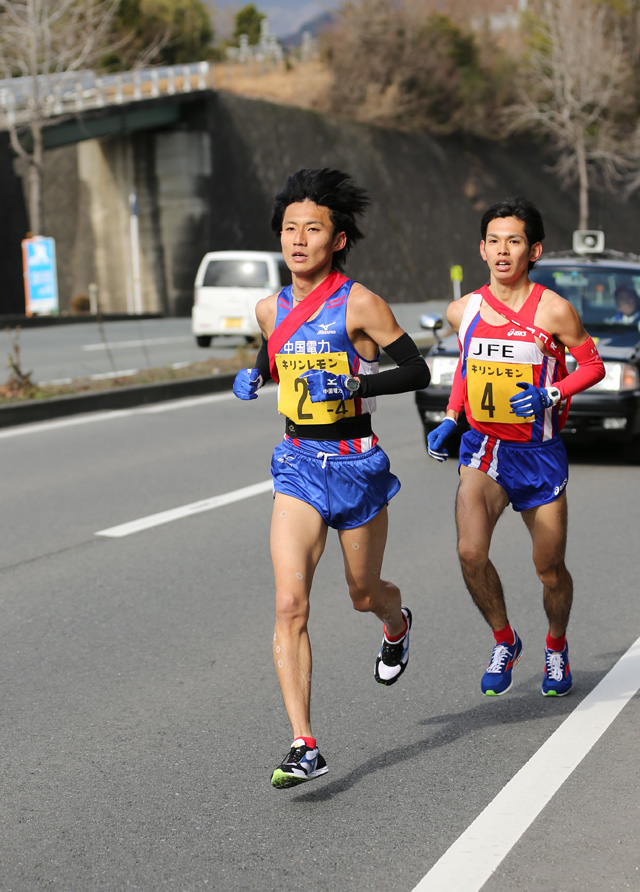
293, 395
490, 386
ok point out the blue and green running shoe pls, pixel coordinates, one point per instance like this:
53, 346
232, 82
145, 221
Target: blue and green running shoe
557, 679
497, 679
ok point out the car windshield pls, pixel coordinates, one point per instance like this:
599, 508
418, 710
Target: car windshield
604, 296
236, 274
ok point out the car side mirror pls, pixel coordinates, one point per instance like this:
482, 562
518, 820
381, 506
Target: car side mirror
432, 322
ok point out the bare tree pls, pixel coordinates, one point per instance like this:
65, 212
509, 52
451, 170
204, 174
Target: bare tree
578, 93
45, 43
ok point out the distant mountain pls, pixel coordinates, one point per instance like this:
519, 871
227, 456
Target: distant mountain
286, 17
314, 26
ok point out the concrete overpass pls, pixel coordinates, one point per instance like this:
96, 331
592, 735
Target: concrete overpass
141, 149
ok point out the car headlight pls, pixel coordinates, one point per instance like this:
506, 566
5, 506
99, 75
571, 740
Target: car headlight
442, 369
618, 376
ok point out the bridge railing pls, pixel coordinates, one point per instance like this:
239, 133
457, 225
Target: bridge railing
59, 94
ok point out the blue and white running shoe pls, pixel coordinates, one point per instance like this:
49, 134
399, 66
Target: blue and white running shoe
497, 679
557, 679
302, 763
393, 657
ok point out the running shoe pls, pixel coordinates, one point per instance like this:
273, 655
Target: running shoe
393, 657
557, 679
302, 763
497, 679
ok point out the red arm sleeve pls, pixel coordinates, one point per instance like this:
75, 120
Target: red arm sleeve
456, 400
590, 369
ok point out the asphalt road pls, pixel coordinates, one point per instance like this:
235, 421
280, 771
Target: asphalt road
142, 717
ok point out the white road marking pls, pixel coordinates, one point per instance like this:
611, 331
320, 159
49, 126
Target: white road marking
474, 856
42, 427
123, 345
99, 376
155, 520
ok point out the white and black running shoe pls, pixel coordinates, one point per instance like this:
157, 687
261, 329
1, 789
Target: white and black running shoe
302, 763
393, 657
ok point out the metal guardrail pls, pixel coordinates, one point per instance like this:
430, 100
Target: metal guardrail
59, 94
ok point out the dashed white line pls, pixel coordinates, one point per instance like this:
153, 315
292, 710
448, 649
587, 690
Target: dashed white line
474, 856
155, 520
123, 345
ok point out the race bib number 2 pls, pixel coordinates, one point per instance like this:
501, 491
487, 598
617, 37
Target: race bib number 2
490, 385
293, 396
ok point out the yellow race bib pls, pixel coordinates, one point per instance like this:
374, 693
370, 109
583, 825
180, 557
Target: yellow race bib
293, 396
490, 386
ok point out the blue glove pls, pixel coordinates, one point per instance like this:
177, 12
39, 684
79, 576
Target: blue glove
247, 383
325, 386
532, 401
436, 438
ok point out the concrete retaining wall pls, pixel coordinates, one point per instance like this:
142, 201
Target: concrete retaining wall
209, 185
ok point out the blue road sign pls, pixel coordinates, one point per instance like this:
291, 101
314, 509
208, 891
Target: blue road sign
40, 276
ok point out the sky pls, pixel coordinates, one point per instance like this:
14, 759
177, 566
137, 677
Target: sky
285, 16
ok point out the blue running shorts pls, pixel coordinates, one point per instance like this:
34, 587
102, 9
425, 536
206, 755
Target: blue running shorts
346, 490
531, 474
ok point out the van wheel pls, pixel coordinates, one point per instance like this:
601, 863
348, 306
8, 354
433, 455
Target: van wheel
203, 340
251, 339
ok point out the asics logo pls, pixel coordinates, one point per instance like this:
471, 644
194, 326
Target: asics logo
516, 333
559, 489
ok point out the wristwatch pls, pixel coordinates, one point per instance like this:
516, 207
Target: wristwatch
554, 395
352, 384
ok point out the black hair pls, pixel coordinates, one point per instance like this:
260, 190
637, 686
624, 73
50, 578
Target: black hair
628, 289
521, 209
328, 188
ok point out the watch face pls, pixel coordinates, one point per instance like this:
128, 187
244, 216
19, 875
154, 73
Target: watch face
352, 384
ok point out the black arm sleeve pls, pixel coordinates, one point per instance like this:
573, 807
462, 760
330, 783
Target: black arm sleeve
412, 372
262, 361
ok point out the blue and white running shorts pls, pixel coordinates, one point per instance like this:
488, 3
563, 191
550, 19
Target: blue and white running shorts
531, 474
346, 490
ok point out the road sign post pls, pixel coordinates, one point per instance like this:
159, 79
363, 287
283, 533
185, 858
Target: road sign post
40, 276
456, 277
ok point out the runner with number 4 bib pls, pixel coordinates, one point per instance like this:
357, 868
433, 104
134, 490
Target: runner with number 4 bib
321, 339
512, 381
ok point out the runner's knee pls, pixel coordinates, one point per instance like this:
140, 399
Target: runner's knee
473, 559
369, 599
361, 598
291, 610
551, 573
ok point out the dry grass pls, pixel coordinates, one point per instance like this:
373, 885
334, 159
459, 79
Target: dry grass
305, 84
20, 388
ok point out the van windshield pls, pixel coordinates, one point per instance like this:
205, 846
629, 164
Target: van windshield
236, 274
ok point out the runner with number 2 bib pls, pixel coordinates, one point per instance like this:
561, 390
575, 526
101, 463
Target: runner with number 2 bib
321, 340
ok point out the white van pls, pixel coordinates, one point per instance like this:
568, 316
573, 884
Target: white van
227, 288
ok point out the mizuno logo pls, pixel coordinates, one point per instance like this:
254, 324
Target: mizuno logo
324, 328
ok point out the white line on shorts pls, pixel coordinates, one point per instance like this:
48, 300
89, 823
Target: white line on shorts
156, 520
474, 856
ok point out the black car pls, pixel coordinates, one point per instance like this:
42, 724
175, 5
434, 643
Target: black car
589, 277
